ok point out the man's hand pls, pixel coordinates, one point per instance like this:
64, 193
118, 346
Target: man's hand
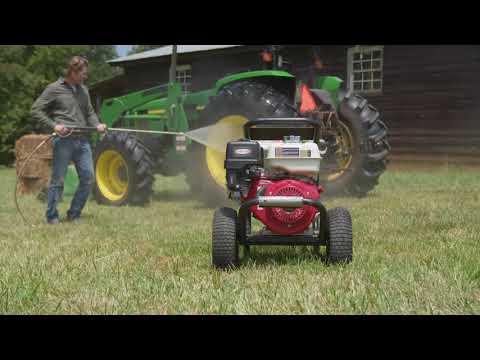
60, 129
101, 128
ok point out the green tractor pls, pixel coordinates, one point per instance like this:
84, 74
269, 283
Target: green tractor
125, 164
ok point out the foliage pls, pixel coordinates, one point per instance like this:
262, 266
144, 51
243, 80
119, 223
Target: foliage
141, 48
98, 55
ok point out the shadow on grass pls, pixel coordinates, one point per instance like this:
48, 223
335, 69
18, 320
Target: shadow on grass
167, 195
174, 196
178, 196
287, 255
84, 218
326, 196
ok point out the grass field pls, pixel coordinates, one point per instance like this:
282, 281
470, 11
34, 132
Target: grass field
416, 251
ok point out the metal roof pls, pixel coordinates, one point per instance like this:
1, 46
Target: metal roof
167, 50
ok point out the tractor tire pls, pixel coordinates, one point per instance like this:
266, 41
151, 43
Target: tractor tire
123, 171
370, 148
339, 241
224, 239
234, 105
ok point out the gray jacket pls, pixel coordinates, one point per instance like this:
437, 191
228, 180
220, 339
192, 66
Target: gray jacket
60, 104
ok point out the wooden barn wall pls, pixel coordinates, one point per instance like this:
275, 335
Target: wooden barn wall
146, 75
430, 99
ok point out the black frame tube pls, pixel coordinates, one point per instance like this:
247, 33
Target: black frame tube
245, 210
282, 121
279, 240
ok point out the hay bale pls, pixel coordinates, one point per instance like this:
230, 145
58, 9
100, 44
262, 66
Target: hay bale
35, 168
36, 173
32, 186
26, 144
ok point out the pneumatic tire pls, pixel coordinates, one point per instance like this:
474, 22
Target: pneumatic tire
224, 239
131, 180
370, 148
339, 241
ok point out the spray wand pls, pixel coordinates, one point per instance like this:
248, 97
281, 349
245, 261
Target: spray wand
78, 129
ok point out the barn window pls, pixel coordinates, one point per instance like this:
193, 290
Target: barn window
365, 69
184, 77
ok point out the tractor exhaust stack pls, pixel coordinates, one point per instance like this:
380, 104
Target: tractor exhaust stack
173, 65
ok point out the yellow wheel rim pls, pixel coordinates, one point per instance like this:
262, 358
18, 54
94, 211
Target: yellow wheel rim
226, 129
344, 153
112, 175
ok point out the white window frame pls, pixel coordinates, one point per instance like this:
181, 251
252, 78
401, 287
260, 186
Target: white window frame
184, 77
351, 72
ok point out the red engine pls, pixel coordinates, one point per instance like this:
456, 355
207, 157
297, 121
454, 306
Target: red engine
280, 220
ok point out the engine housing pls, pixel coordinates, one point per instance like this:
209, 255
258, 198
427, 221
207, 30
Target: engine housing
284, 221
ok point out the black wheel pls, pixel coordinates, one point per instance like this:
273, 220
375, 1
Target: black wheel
339, 241
123, 171
234, 105
362, 152
224, 239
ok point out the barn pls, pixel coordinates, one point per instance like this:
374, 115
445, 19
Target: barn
427, 94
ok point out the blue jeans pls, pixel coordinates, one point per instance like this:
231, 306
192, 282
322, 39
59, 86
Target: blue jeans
66, 150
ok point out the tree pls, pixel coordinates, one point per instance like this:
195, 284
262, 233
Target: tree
99, 69
141, 48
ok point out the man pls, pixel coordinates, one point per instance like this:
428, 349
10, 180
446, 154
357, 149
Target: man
66, 102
